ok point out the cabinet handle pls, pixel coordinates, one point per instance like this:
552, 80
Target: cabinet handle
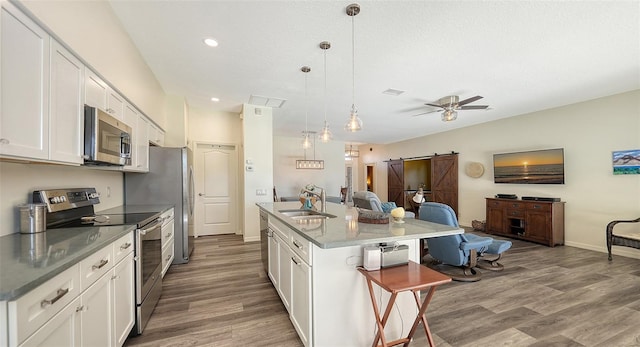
168, 235
4, 141
80, 308
295, 261
168, 257
536, 206
102, 263
115, 277
297, 244
59, 294
125, 246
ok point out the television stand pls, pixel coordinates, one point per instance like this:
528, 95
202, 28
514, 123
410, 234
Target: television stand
535, 221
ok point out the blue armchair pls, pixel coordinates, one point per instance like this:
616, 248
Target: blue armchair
462, 250
370, 201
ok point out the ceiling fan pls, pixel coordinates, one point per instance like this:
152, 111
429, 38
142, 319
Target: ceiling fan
449, 105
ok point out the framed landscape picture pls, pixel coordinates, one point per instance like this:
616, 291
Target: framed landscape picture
626, 162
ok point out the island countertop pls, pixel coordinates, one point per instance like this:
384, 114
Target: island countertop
345, 230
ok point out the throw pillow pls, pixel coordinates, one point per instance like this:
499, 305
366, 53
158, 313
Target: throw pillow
388, 206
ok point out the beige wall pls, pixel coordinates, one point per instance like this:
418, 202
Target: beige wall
258, 148
91, 30
588, 132
288, 180
220, 127
18, 181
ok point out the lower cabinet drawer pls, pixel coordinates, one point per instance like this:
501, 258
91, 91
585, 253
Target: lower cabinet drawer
301, 246
515, 213
32, 310
167, 257
122, 247
539, 207
96, 265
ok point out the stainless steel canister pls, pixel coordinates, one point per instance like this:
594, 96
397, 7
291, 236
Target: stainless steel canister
33, 218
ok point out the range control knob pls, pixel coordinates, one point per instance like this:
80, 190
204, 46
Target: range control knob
63, 198
93, 195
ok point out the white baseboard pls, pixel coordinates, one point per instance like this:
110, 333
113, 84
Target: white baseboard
615, 250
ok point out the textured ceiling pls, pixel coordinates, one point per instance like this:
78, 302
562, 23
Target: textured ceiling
522, 56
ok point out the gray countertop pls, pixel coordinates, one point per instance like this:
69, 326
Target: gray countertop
29, 260
345, 230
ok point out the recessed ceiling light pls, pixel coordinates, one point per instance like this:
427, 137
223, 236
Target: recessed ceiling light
215, 99
211, 42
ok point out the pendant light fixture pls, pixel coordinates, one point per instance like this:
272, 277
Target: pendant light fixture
355, 123
306, 141
325, 133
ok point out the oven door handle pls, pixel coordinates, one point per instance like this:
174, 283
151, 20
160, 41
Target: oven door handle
157, 224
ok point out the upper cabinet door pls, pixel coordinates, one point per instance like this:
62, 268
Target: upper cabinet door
66, 111
25, 89
115, 104
95, 90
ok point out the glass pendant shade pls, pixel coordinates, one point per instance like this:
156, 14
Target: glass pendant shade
449, 115
325, 133
355, 123
306, 142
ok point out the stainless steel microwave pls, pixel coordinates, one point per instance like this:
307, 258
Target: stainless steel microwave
107, 140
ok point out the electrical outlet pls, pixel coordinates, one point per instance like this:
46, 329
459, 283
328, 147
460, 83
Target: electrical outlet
261, 192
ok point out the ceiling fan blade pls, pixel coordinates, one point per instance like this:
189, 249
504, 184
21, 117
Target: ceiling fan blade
472, 99
473, 107
423, 113
434, 105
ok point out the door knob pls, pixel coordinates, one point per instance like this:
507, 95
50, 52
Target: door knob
200, 194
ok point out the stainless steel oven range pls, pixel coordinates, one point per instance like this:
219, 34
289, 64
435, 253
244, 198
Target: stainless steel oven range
68, 208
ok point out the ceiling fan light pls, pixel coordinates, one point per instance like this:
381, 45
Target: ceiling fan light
449, 115
325, 133
355, 123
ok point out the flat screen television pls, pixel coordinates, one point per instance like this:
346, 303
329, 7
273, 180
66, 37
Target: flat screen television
538, 167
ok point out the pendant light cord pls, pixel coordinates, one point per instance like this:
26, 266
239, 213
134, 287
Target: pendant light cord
353, 60
325, 87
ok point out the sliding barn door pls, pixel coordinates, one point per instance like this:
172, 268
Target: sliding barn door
444, 180
395, 182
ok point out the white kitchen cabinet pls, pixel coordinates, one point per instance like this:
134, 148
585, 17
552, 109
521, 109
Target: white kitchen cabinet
99, 94
31, 311
85, 305
24, 120
115, 104
66, 111
274, 259
95, 90
156, 135
61, 330
168, 228
300, 311
123, 299
284, 285
96, 313
142, 144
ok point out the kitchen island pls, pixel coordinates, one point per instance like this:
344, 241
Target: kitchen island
312, 263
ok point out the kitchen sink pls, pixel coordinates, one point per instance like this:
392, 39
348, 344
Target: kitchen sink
306, 214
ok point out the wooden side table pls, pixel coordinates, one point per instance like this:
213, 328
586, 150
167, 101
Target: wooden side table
411, 277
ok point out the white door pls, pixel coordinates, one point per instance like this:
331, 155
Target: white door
216, 186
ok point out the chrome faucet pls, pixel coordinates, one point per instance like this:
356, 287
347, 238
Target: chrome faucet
322, 196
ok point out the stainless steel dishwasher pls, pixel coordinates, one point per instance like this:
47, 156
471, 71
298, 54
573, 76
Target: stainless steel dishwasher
264, 239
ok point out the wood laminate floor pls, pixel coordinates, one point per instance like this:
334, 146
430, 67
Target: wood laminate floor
560, 296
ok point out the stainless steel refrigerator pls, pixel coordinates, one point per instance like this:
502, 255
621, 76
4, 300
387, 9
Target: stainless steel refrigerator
169, 181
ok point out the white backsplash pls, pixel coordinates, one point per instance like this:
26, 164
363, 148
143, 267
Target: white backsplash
18, 181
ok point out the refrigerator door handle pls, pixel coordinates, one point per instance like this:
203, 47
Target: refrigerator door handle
191, 192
